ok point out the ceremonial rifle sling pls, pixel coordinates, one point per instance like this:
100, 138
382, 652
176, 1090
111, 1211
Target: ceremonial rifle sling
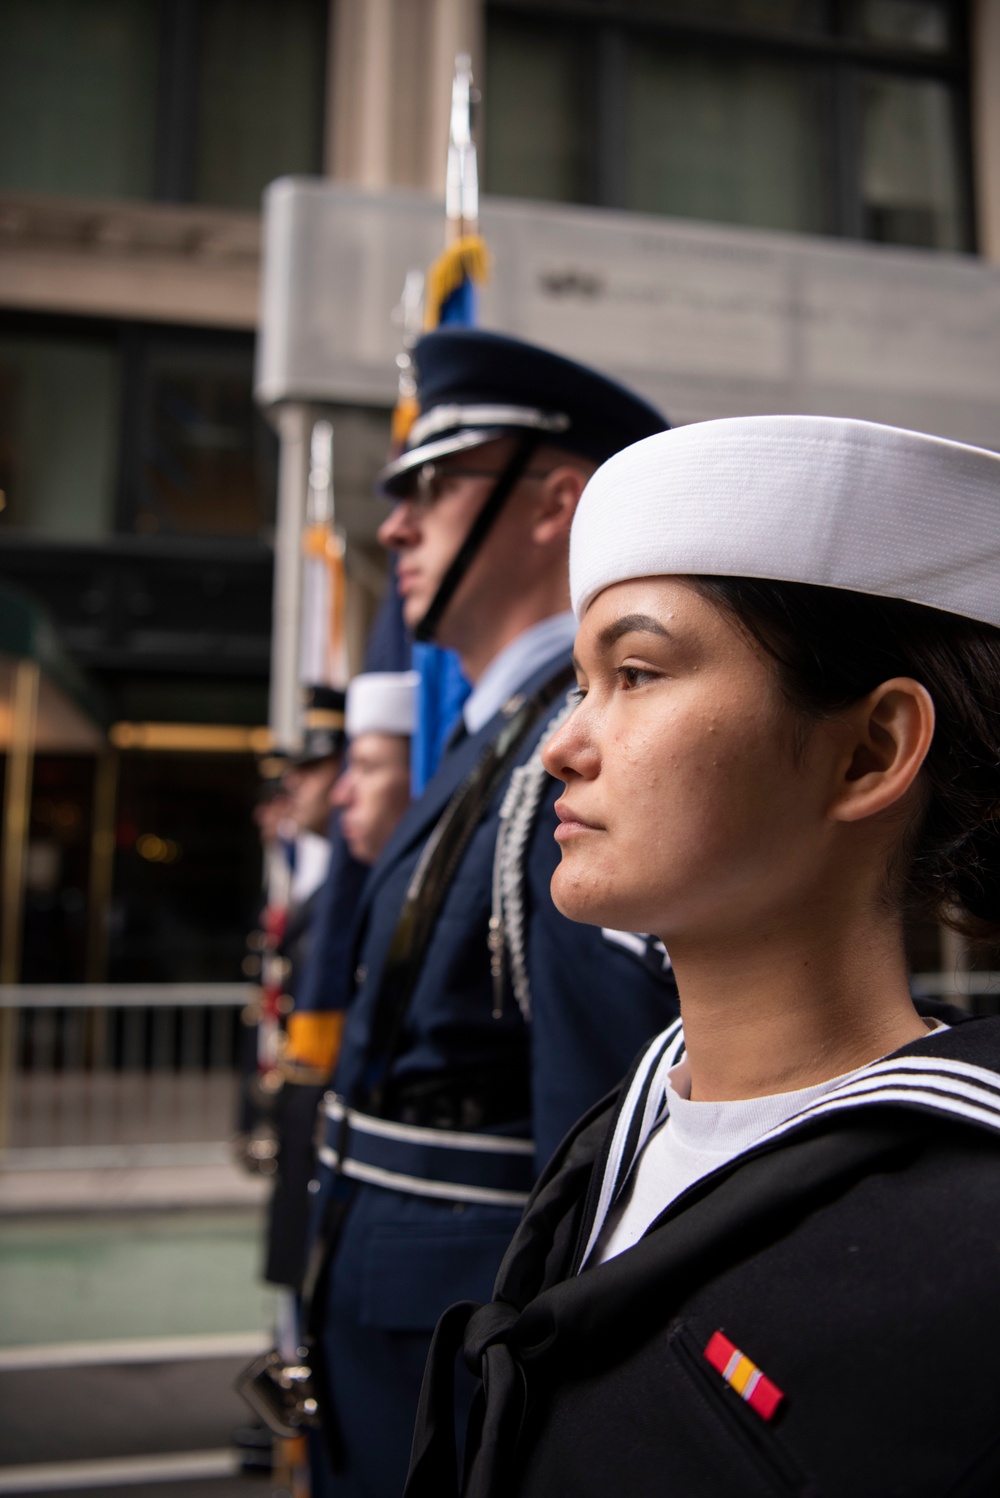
425, 896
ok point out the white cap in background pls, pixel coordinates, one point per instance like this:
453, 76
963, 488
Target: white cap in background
382, 702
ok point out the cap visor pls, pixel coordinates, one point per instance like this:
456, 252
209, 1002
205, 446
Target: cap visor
396, 478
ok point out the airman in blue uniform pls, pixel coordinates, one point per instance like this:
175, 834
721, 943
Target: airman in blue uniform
479, 1027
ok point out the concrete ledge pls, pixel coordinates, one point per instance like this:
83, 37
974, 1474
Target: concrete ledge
129, 1188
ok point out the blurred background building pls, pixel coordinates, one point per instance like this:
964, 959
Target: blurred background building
138, 476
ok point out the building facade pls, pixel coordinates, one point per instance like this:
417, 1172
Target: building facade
138, 475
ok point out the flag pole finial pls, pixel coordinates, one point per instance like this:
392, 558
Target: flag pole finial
462, 179
465, 260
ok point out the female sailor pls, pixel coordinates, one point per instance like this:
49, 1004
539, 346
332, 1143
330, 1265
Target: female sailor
770, 1263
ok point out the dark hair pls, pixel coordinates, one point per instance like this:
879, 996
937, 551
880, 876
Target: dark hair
831, 648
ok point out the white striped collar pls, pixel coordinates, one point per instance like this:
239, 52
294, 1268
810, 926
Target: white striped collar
642, 1103
942, 1085
938, 1084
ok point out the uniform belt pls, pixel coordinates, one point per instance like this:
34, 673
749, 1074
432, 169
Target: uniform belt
469, 1102
493, 1169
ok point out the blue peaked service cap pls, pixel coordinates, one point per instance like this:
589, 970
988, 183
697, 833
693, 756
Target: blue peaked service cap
475, 386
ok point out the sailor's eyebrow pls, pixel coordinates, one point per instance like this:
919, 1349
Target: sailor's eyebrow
630, 624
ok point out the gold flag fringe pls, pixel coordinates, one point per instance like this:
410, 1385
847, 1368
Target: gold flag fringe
467, 259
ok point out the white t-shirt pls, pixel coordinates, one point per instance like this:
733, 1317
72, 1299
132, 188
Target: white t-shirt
312, 860
693, 1140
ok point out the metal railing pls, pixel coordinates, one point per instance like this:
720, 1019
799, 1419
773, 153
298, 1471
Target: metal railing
143, 1074
119, 1074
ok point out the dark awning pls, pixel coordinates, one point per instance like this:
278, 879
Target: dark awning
72, 717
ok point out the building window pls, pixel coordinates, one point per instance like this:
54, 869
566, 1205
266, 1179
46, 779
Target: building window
817, 116
537, 123
78, 96
199, 457
158, 432
260, 96
707, 136
909, 185
56, 384
201, 101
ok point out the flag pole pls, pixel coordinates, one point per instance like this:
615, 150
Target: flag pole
294, 422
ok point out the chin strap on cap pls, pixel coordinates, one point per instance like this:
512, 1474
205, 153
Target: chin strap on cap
508, 478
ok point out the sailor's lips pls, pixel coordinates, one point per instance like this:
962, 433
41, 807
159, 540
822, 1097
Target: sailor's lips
571, 824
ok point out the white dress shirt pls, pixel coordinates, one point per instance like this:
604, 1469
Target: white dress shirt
312, 859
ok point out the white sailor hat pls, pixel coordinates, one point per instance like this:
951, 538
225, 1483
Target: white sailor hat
382, 702
809, 499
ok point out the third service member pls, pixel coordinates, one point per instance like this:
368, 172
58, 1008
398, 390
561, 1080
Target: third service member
374, 790
480, 1023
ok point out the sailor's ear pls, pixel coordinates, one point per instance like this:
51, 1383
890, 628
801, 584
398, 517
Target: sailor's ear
888, 734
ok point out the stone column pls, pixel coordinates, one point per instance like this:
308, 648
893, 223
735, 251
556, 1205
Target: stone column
360, 93
390, 72
984, 43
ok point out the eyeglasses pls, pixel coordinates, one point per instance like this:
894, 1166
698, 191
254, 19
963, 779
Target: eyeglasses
432, 481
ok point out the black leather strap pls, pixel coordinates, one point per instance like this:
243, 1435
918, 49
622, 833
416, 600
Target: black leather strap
510, 474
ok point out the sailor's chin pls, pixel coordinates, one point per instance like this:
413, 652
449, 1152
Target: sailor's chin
577, 896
